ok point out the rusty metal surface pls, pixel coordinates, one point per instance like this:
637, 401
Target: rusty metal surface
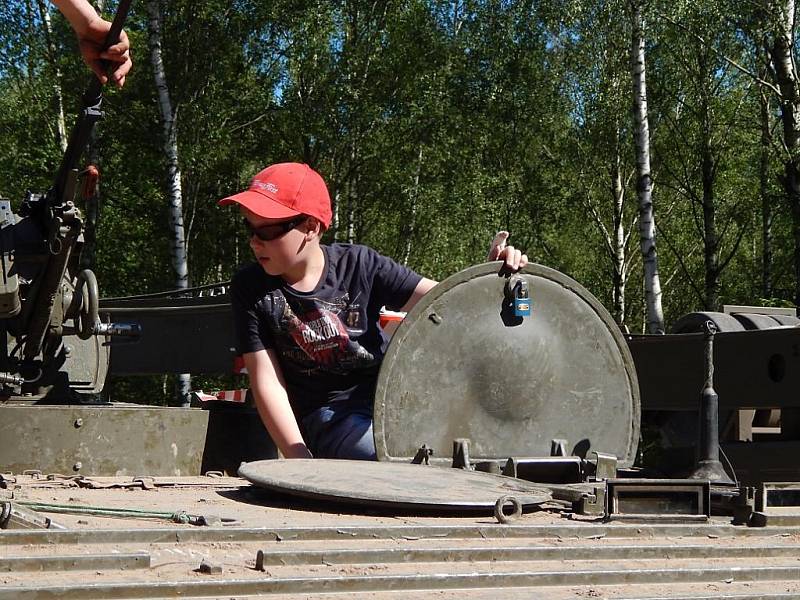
392, 485
102, 440
459, 367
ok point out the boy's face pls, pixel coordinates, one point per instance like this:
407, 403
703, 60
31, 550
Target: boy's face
276, 243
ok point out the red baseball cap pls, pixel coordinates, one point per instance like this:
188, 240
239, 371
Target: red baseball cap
286, 190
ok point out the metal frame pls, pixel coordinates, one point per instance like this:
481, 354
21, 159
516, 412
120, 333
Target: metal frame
701, 490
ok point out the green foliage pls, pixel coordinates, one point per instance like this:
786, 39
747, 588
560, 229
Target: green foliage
435, 124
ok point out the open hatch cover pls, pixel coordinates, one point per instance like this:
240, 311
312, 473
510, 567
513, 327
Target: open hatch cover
390, 485
462, 366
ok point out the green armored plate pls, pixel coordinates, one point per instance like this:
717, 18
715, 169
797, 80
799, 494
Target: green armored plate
390, 485
461, 366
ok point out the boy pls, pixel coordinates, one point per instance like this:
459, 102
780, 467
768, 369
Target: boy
306, 316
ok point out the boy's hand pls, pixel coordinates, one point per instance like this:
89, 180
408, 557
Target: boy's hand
514, 259
90, 42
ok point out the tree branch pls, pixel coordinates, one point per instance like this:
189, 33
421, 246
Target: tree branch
733, 63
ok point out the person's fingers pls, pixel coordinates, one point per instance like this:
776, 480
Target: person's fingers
120, 71
115, 57
121, 65
498, 245
512, 258
97, 68
523, 261
117, 51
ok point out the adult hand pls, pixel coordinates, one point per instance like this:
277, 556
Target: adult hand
91, 38
514, 259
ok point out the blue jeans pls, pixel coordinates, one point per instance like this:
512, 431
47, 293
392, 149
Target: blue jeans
340, 432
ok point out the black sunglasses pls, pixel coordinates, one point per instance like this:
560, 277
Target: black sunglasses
273, 231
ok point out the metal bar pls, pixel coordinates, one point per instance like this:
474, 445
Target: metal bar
97, 510
83, 562
260, 534
776, 596
515, 553
372, 583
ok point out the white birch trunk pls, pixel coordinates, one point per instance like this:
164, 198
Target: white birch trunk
352, 200
169, 119
412, 220
61, 127
620, 274
335, 223
644, 182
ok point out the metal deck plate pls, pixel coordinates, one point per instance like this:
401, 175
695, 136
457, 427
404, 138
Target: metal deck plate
456, 369
116, 439
390, 485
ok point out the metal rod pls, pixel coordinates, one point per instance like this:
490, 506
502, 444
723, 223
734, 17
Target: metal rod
708, 463
293, 556
96, 510
262, 534
82, 562
372, 583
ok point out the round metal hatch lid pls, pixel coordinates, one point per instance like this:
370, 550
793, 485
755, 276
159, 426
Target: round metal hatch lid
461, 366
392, 485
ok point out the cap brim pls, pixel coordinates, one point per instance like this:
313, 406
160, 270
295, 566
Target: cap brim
259, 204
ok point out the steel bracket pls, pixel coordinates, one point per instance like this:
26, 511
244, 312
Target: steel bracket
461, 454
592, 504
423, 456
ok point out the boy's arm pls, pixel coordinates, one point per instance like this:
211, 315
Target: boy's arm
91, 30
272, 403
423, 287
514, 260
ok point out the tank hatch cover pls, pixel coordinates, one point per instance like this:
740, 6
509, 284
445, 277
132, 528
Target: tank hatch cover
462, 366
391, 485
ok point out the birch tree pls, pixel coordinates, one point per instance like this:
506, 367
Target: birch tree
169, 120
706, 99
52, 59
644, 181
601, 65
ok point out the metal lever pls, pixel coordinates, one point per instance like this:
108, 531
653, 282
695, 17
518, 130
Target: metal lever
131, 330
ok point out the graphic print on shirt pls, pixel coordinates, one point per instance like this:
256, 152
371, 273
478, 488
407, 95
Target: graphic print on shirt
323, 337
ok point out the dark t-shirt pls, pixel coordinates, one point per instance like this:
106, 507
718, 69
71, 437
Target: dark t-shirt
328, 341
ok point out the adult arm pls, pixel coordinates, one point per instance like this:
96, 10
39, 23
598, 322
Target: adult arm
512, 258
92, 30
272, 403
